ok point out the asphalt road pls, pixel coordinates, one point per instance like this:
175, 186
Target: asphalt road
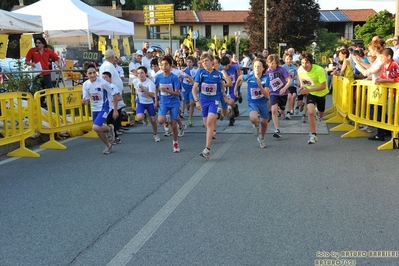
289, 204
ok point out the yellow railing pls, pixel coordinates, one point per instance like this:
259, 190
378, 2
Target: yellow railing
359, 102
17, 120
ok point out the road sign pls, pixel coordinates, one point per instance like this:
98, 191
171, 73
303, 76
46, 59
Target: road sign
159, 7
159, 14
194, 34
159, 21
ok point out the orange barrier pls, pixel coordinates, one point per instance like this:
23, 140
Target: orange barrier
17, 119
64, 112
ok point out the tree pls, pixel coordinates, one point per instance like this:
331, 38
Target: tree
382, 24
206, 5
294, 22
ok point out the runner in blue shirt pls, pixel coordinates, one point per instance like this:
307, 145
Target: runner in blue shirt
258, 92
210, 83
168, 85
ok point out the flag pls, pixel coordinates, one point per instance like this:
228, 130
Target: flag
224, 45
25, 44
3, 45
115, 47
188, 42
95, 38
102, 44
13, 46
126, 46
215, 51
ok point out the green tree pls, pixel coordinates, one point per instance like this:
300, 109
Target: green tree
289, 21
206, 5
382, 24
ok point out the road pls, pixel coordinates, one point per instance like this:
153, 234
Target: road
289, 204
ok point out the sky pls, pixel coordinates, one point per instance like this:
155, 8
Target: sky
377, 5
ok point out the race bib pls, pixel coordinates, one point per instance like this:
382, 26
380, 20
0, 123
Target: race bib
166, 86
233, 79
276, 84
256, 93
96, 97
208, 89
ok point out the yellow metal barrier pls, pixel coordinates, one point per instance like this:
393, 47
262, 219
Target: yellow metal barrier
64, 112
341, 100
367, 100
17, 120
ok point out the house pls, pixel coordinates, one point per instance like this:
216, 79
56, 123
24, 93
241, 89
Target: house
344, 21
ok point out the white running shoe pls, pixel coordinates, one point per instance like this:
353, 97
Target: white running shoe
312, 139
176, 147
256, 130
157, 138
205, 153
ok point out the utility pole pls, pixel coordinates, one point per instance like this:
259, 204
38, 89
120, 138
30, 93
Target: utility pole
265, 33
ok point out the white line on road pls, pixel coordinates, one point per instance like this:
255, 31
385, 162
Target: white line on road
135, 244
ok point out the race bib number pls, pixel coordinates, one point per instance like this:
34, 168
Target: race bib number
168, 87
208, 89
307, 82
256, 93
233, 79
276, 84
96, 97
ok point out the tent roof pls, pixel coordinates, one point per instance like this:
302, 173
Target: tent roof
66, 18
13, 23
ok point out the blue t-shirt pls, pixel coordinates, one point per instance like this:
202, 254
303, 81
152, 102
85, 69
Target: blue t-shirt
190, 72
232, 73
210, 84
170, 82
254, 93
278, 79
293, 73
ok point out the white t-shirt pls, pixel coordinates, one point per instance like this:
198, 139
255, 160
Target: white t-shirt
100, 93
116, 79
146, 62
143, 97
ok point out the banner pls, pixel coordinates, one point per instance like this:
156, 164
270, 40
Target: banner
121, 48
126, 46
95, 41
131, 44
102, 44
13, 46
115, 47
188, 42
25, 44
3, 45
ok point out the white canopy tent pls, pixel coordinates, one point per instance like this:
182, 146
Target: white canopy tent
68, 18
13, 23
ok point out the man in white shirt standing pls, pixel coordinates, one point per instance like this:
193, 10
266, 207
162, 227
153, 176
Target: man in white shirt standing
134, 64
146, 60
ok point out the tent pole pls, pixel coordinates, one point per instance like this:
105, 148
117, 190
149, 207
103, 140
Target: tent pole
88, 39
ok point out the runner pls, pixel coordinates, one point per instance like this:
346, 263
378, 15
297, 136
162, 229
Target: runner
313, 84
258, 95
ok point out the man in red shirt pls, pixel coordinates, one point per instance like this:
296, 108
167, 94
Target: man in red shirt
38, 58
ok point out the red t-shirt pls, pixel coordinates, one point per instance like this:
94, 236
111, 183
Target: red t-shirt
36, 57
390, 72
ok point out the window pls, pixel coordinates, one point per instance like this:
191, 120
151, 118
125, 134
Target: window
208, 31
184, 30
225, 30
153, 32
